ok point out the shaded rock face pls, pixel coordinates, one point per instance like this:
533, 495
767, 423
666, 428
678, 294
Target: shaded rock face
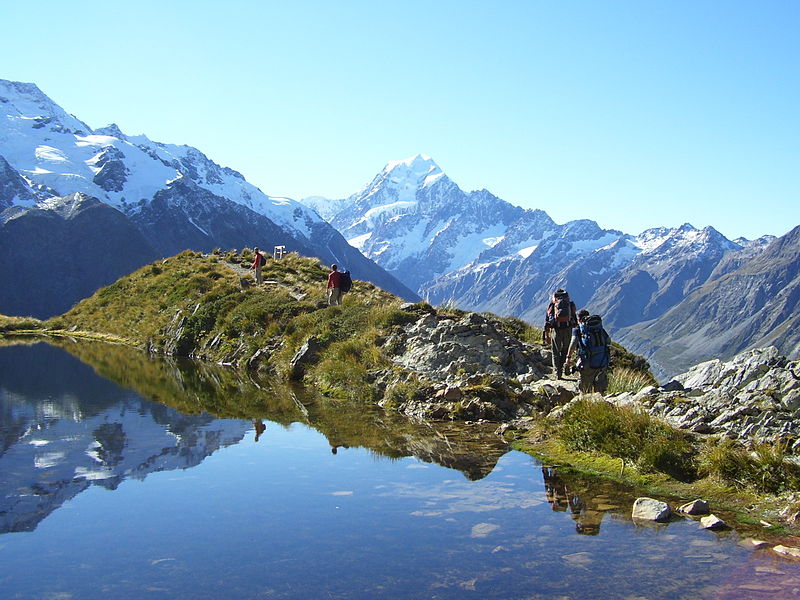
51, 259
13, 188
753, 398
113, 173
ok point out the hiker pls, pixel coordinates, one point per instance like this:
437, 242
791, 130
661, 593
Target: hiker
593, 346
334, 286
258, 262
559, 320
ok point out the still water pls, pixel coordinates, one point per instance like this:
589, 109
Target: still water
122, 476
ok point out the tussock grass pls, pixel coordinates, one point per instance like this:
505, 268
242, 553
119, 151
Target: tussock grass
632, 435
764, 468
626, 379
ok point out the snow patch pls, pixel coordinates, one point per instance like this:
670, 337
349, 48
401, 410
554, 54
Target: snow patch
360, 240
50, 154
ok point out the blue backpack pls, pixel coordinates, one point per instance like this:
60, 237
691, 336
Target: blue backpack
595, 351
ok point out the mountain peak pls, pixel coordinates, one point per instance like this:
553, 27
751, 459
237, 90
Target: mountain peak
416, 162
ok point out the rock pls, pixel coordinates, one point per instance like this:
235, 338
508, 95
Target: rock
672, 386
787, 551
648, 509
753, 543
307, 354
695, 507
791, 515
713, 522
448, 394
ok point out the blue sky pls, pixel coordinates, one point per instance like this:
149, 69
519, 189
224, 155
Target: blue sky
634, 114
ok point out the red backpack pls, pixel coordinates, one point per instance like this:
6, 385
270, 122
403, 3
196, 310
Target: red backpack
562, 315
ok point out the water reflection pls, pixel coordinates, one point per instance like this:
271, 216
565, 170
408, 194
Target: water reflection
313, 510
561, 497
64, 429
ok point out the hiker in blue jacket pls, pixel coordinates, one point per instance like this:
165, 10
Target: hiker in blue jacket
593, 347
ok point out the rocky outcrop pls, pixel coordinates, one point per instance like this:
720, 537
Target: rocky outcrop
469, 368
753, 397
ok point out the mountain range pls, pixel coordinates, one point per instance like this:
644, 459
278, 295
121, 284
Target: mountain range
81, 207
66, 188
478, 252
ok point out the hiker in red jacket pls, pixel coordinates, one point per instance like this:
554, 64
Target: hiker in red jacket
334, 286
258, 262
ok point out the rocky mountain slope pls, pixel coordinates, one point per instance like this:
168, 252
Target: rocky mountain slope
174, 196
752, 305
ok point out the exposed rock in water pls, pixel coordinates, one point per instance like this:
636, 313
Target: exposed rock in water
696, 507
648, 509
713, 522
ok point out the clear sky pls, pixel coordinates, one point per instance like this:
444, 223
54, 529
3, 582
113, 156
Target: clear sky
634, 113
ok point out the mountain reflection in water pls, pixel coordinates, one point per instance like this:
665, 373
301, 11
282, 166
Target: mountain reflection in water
126, 476
65, 429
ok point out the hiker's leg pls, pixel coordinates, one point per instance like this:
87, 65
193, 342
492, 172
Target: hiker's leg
587, 380
561, 338
601, 380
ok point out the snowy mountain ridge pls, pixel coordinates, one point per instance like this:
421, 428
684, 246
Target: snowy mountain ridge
122, 171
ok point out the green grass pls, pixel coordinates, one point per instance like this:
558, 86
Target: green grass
626, 379
631, 435
9, 324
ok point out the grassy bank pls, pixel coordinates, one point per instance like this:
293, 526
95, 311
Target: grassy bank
627, 445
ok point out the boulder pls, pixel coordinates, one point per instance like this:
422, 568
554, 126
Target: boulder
695, 507
649, 509
306, 355
787, 551
713, 522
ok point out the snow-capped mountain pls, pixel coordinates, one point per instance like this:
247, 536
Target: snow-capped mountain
478, 252
175, 196
750, 300
418, 225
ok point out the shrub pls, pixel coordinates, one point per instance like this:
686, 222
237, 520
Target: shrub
726, 461
343, 372
771, 472
632, 435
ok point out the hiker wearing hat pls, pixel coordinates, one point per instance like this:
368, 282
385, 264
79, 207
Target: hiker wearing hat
559, 320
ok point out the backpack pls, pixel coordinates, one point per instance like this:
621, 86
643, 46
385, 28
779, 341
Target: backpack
595, 350
562, 311
345, 281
